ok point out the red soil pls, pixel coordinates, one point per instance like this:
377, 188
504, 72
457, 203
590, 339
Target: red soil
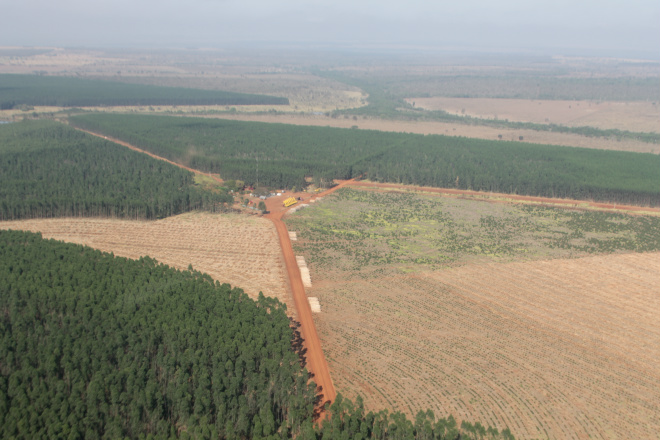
316, 362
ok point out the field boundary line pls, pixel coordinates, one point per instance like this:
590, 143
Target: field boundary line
493, 197
139, 150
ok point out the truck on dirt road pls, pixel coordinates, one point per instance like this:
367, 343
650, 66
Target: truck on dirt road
290, 202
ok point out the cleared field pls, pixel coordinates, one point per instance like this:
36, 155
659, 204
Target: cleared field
553, 349
507, 315
631, 116
242, 251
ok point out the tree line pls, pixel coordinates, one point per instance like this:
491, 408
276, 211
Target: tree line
97, 346
281, 155
50, 170
60, 91
387, 99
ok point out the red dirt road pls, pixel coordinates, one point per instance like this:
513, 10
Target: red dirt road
316, 362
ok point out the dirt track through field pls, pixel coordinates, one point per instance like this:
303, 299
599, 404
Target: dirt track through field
134, 148
316, 361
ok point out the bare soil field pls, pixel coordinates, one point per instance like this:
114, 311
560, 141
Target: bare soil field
239, 250
552, 349
510, 315
631, 116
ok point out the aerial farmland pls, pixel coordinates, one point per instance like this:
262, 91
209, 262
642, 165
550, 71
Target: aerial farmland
429, 246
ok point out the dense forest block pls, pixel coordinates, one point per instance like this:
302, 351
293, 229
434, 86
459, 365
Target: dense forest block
60, 91
50, 170
280, 155
96, 346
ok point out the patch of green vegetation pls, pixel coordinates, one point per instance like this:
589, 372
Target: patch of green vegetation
51, 170
208, 183
78, 92
283, 156
367, 231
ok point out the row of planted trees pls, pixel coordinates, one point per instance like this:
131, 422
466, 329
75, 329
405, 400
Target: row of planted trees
59, 91
50, 170
281, 155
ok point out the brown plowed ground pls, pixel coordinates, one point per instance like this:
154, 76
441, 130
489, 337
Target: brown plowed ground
560, 349
563, 348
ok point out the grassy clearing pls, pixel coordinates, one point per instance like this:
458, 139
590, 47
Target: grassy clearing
521, 316
368, 231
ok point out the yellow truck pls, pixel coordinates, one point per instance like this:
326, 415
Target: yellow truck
290, 202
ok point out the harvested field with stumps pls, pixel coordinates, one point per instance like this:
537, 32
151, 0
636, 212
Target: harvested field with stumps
554, 349
242, 251
527, 318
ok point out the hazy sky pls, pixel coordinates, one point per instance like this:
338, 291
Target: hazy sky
616, 26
